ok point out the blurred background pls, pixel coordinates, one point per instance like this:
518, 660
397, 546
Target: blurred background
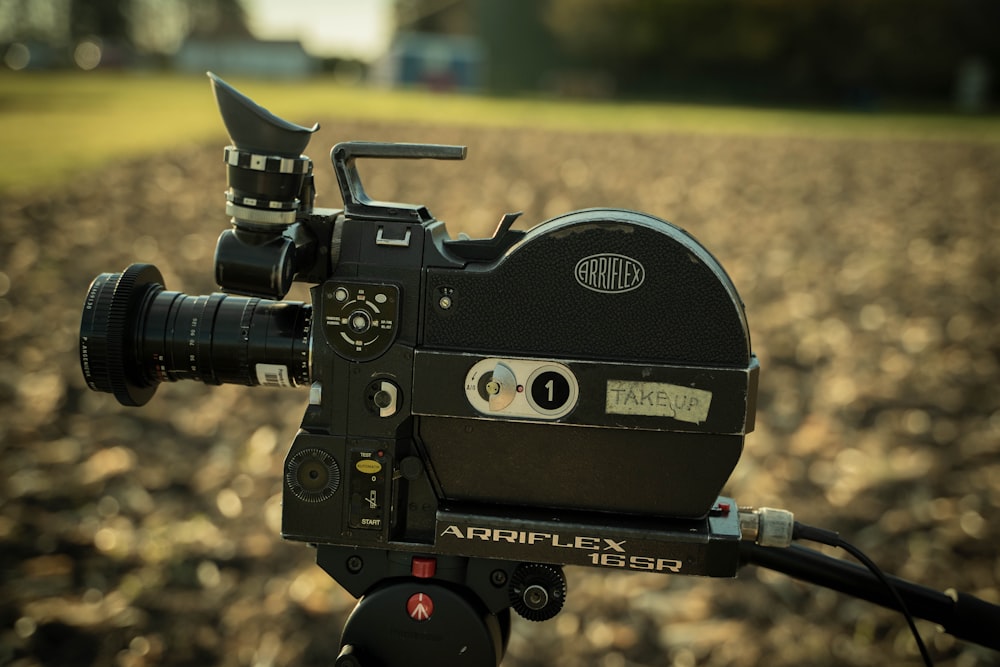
851, 53
840, 159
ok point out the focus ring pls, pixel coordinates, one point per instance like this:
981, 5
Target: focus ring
117, 320
93, 343
114, 303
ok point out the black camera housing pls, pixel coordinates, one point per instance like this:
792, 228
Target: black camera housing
578, 393
650, 379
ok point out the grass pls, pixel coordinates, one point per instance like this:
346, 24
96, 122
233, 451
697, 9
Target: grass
55, 124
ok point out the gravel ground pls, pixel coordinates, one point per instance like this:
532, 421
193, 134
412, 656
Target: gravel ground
871, 274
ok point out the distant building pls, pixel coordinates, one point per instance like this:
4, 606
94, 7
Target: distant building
433, 62
246, 57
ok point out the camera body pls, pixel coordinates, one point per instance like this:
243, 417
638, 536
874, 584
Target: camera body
596, 365
577, 393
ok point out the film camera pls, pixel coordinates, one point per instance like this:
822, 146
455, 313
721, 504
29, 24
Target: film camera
480, 411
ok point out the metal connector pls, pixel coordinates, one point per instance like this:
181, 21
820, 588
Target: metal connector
766, 526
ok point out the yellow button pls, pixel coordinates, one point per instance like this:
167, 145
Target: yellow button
368, 466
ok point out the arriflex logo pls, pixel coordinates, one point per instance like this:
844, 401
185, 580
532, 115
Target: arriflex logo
609, 273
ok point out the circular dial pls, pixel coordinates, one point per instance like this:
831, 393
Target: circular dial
312, 475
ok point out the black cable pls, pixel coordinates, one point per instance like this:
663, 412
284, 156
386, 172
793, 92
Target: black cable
961, 615
802, 531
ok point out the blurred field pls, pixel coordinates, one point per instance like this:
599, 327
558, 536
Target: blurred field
53, 125
871, 272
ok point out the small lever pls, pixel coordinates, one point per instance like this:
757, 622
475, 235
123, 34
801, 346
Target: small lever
488, 249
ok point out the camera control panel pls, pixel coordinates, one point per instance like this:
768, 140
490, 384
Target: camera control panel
524, 388
360, 318
368, 488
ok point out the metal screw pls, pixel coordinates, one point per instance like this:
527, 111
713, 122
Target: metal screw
535, 597
445, 302
355, 564
498, 578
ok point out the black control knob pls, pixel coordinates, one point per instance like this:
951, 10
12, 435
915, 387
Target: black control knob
360, 321
537, 591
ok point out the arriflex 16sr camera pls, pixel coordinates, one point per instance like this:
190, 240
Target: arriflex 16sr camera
481, 411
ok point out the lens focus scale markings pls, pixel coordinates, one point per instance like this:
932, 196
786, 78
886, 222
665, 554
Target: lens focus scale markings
93, 346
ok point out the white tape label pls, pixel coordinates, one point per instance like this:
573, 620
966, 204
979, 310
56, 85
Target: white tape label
273, 375
658, 399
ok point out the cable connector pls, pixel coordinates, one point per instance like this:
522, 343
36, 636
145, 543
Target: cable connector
766, 526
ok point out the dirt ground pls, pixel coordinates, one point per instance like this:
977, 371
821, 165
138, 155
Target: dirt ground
871, 276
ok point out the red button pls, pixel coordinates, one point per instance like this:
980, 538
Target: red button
420, 607
423, 568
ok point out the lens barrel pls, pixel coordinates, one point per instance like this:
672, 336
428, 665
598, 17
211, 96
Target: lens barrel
135, 334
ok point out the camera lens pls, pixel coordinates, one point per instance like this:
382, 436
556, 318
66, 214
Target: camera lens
135, 334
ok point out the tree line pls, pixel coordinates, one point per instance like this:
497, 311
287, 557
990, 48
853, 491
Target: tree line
854, 52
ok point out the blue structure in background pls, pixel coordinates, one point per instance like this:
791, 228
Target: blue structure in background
451, 63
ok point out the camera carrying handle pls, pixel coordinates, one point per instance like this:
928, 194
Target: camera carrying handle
357, 203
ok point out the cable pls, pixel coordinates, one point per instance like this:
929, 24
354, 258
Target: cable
961, 615
801, 531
